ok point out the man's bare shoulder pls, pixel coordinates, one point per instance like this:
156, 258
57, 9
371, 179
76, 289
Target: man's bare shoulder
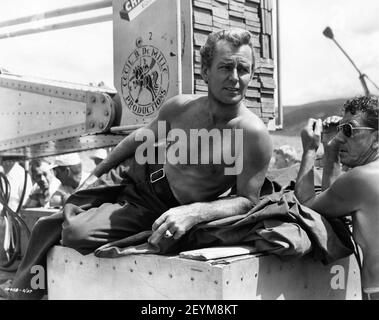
360, 180
179, 104
250, 123
366, 177
255, 133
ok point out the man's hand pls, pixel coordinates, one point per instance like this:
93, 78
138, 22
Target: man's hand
174, 222
329, 126
311, 135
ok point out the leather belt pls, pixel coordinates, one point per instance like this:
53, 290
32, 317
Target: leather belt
160, 184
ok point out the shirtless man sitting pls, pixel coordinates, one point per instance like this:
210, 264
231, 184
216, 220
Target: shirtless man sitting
227, 67
173, 196
355, 192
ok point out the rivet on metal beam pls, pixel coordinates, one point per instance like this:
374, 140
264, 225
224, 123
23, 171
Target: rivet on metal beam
106, 113
102, 99
101, 126
93, 99
92, 124
89, 112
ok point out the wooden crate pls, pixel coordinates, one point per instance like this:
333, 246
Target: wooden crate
150, 277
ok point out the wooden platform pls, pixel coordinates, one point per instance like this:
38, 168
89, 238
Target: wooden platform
74, 276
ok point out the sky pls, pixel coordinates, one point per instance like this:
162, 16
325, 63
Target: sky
312, 67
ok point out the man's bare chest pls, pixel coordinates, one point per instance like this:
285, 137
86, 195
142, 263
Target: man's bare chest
205, 146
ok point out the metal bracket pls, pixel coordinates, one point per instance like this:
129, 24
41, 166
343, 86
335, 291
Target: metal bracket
100, 112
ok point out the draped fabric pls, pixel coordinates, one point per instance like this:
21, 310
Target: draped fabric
278, 224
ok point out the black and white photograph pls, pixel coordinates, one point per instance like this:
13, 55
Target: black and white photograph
189, 155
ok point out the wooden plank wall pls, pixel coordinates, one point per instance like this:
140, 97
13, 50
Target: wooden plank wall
255, 16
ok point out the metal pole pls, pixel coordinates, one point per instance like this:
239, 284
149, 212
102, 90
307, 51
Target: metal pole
56, 13
344, 52
361, 75
329, 34
57, 26
279, 74
364, 84
127, 128
179, 45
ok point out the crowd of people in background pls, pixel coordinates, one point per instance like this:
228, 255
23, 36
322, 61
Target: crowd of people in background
48, 181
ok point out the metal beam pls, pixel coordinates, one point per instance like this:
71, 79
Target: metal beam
56, 13
57, 26
46, 112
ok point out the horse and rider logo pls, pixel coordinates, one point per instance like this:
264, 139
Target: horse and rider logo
145, 80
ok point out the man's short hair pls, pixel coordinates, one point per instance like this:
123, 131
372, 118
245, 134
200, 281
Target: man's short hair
236, 36
368, 105
36, 163
288, 152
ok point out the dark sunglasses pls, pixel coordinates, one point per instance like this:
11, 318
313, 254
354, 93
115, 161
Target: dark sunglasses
348, 129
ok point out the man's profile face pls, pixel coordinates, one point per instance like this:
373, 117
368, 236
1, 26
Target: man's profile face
230, 73
42, 176
356, 148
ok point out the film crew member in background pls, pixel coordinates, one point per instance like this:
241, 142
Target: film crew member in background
353, 142
68, 170
45, 184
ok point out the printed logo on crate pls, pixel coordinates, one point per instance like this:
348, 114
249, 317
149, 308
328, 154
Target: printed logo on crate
145, 80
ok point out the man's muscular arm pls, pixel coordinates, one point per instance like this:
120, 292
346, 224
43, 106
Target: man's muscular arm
346, 195
256, 155
181, 219
332, 166
311, 138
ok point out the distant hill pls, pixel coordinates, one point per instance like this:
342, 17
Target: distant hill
295, 117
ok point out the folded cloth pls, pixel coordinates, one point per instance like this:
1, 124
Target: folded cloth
278, 224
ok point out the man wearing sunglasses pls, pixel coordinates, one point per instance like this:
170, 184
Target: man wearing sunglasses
353, 142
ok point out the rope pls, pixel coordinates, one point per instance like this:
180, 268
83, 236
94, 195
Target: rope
13, 223
356, 247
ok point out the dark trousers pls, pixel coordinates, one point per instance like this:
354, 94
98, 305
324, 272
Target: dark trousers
370, 296
121, 203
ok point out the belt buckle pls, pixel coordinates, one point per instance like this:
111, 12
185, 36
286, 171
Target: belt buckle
163, 174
